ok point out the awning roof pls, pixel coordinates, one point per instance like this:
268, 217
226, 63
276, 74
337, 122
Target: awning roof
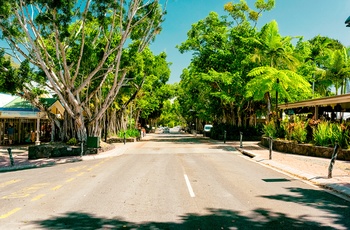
19, 104
20, 107
343, 100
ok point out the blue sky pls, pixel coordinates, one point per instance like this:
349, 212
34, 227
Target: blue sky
307, 18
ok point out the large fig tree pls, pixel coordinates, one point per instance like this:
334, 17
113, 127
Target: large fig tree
78, 46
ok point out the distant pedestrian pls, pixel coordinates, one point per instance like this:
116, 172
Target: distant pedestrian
10, 132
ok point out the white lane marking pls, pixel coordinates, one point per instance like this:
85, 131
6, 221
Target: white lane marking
189, 187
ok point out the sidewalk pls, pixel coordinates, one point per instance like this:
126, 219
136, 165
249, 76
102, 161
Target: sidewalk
20, 158
312, 169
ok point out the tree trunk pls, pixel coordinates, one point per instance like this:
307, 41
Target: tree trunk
268, 100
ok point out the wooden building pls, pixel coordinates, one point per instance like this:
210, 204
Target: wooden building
336, 106
21, 122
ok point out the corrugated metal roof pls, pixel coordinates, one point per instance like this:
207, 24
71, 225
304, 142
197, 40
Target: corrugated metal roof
343, 100
19, 104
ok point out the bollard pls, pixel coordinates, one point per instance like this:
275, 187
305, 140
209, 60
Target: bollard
124, 138
11, 158
241, 139
270, 148
334, 156
224, 136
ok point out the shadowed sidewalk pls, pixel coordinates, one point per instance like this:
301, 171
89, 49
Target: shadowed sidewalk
20, 159
313, 169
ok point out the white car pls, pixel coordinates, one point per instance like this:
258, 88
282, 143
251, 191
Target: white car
206, 130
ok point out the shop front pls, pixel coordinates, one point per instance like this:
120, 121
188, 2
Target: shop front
21, 122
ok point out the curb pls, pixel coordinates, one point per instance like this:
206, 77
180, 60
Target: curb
39, 165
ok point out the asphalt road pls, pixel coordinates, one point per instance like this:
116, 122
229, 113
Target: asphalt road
166, 182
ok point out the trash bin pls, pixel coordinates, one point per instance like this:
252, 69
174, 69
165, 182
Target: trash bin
93, 142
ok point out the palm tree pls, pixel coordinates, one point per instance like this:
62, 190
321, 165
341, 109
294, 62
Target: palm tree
273, 49
338, 69
321, 52
275, 54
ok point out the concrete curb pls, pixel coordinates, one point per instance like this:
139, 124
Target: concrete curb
39, 165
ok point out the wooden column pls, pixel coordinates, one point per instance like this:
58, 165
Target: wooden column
37, 142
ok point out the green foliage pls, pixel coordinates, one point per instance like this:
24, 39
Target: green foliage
295, 130
86, 52
171, 116
265, 80
321, 135
240, 12
299, 132
287, 127
326, 134
270, 129
129, 133
72, 141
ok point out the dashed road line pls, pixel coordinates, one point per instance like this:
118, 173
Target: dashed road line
13, 211
70, 179
38, 197
2, 185
56, 187
25, 192
76, 169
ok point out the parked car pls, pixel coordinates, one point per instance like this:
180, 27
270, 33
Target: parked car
206, 130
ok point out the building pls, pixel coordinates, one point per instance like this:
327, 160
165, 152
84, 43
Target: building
21, 122
336, 106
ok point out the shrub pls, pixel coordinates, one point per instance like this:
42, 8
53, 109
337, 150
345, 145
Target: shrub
340, 135
299, 132
321, 134
72, 141
326, 134
288, 128
270, 129
129, 133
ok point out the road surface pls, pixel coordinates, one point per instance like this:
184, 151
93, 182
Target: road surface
169, 181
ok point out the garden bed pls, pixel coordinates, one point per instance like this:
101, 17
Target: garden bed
60, 150
305, 149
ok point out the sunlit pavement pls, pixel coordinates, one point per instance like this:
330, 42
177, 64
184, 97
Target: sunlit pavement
312, 169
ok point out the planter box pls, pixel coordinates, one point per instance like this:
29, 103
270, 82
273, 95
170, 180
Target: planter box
305, 149
47, 151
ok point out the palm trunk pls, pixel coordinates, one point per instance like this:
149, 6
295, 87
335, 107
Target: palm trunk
268, 100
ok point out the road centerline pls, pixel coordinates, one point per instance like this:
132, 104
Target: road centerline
189, 187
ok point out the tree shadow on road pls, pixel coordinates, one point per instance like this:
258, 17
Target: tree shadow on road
215, 219
224, 147
319, 199
176, 139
